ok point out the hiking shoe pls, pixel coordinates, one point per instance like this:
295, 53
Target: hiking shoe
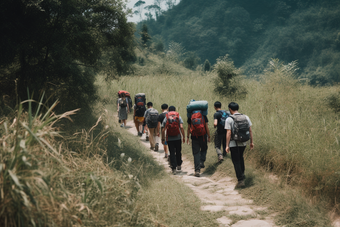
240, 184
202, 165
179, 168
122, 125
166, 156
152, 148
140, 134
197, 174
173, 171
220, 158
147, 138
156, 147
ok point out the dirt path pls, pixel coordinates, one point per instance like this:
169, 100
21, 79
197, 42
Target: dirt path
215, 195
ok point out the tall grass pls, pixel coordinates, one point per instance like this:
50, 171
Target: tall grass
296, 134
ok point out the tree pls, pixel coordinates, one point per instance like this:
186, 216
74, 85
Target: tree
139, 6
56, 46
207, 65
144, 35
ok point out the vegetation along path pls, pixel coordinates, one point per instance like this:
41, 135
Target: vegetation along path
216, 195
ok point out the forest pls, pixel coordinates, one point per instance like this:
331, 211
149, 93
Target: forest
253, 32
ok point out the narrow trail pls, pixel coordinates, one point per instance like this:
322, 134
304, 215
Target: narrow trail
216, 195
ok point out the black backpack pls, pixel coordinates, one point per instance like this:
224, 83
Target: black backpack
152, 118
140, 110
240, 128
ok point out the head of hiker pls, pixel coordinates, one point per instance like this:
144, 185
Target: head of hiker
164, 106
233, 106
149, 104
122, 95
217, 105
172, 108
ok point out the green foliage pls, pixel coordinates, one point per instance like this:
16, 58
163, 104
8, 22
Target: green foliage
207, 65
253, 32
228, 78
333, 102
144, 36
191, 60
55, 46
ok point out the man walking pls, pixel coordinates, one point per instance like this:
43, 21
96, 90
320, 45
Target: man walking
220, 134
173, 126
200, 136
161, 117
151, 121
239, 131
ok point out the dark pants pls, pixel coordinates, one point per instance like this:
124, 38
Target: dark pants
175, 148
238, 161
220, 140
199, 151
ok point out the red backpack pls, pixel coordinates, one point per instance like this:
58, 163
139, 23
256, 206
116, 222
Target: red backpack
197, 127
172, 124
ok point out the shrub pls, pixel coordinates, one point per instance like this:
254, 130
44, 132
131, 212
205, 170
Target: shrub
333, 102
207, 65
228, 78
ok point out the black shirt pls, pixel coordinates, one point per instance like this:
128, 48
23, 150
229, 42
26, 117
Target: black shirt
220, 128
161, 117
198, 137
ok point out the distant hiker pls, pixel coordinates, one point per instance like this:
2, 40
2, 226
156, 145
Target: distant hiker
239, 131
173, 127
161, 117
151, 121
129, 101
220, 134
123, 109
138, 113
199, 130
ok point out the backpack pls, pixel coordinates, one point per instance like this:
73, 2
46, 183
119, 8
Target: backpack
240, 130
140, 99
140, 110
123, 103
172, 123
197, 127
224, 117
152, 118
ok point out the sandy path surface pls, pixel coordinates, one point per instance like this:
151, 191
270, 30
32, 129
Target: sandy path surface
215, 195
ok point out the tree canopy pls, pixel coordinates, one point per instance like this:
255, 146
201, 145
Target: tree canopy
58, 46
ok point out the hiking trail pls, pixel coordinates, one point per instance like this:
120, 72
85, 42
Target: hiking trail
215, 195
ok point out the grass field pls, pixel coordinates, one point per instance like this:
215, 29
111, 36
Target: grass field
295, 134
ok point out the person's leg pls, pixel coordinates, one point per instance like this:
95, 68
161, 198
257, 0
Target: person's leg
152, 137
241, 151
124, 122
137, 125
218, 141
224, 144
204, 148
178, 152
172, 149
235, 157
196, 153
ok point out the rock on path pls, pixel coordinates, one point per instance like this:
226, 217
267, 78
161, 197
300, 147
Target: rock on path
215, 195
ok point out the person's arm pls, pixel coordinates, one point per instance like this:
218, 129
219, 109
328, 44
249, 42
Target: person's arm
215, 123
208, 132
188, 134
163, 135
182, 131
134, 113
251, 138
228, 140
118, 106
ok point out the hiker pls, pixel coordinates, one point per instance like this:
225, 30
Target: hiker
151, 122
138, 112
123, 109
220, 134
161, 117
200, 135
239, 131
127, 96
173, 127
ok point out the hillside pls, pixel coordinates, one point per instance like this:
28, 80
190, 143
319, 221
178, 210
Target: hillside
253, 32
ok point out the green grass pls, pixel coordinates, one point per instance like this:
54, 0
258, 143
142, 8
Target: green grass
295, 133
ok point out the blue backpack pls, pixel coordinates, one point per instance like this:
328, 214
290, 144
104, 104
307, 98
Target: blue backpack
224, 117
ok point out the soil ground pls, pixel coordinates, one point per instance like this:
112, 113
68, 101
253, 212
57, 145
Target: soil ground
215, 195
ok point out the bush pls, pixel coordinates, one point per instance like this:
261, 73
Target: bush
207, 65
228, 78
333, 102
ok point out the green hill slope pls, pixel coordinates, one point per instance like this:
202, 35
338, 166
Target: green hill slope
253, 32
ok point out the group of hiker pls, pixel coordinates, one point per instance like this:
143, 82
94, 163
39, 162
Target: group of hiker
233, 130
